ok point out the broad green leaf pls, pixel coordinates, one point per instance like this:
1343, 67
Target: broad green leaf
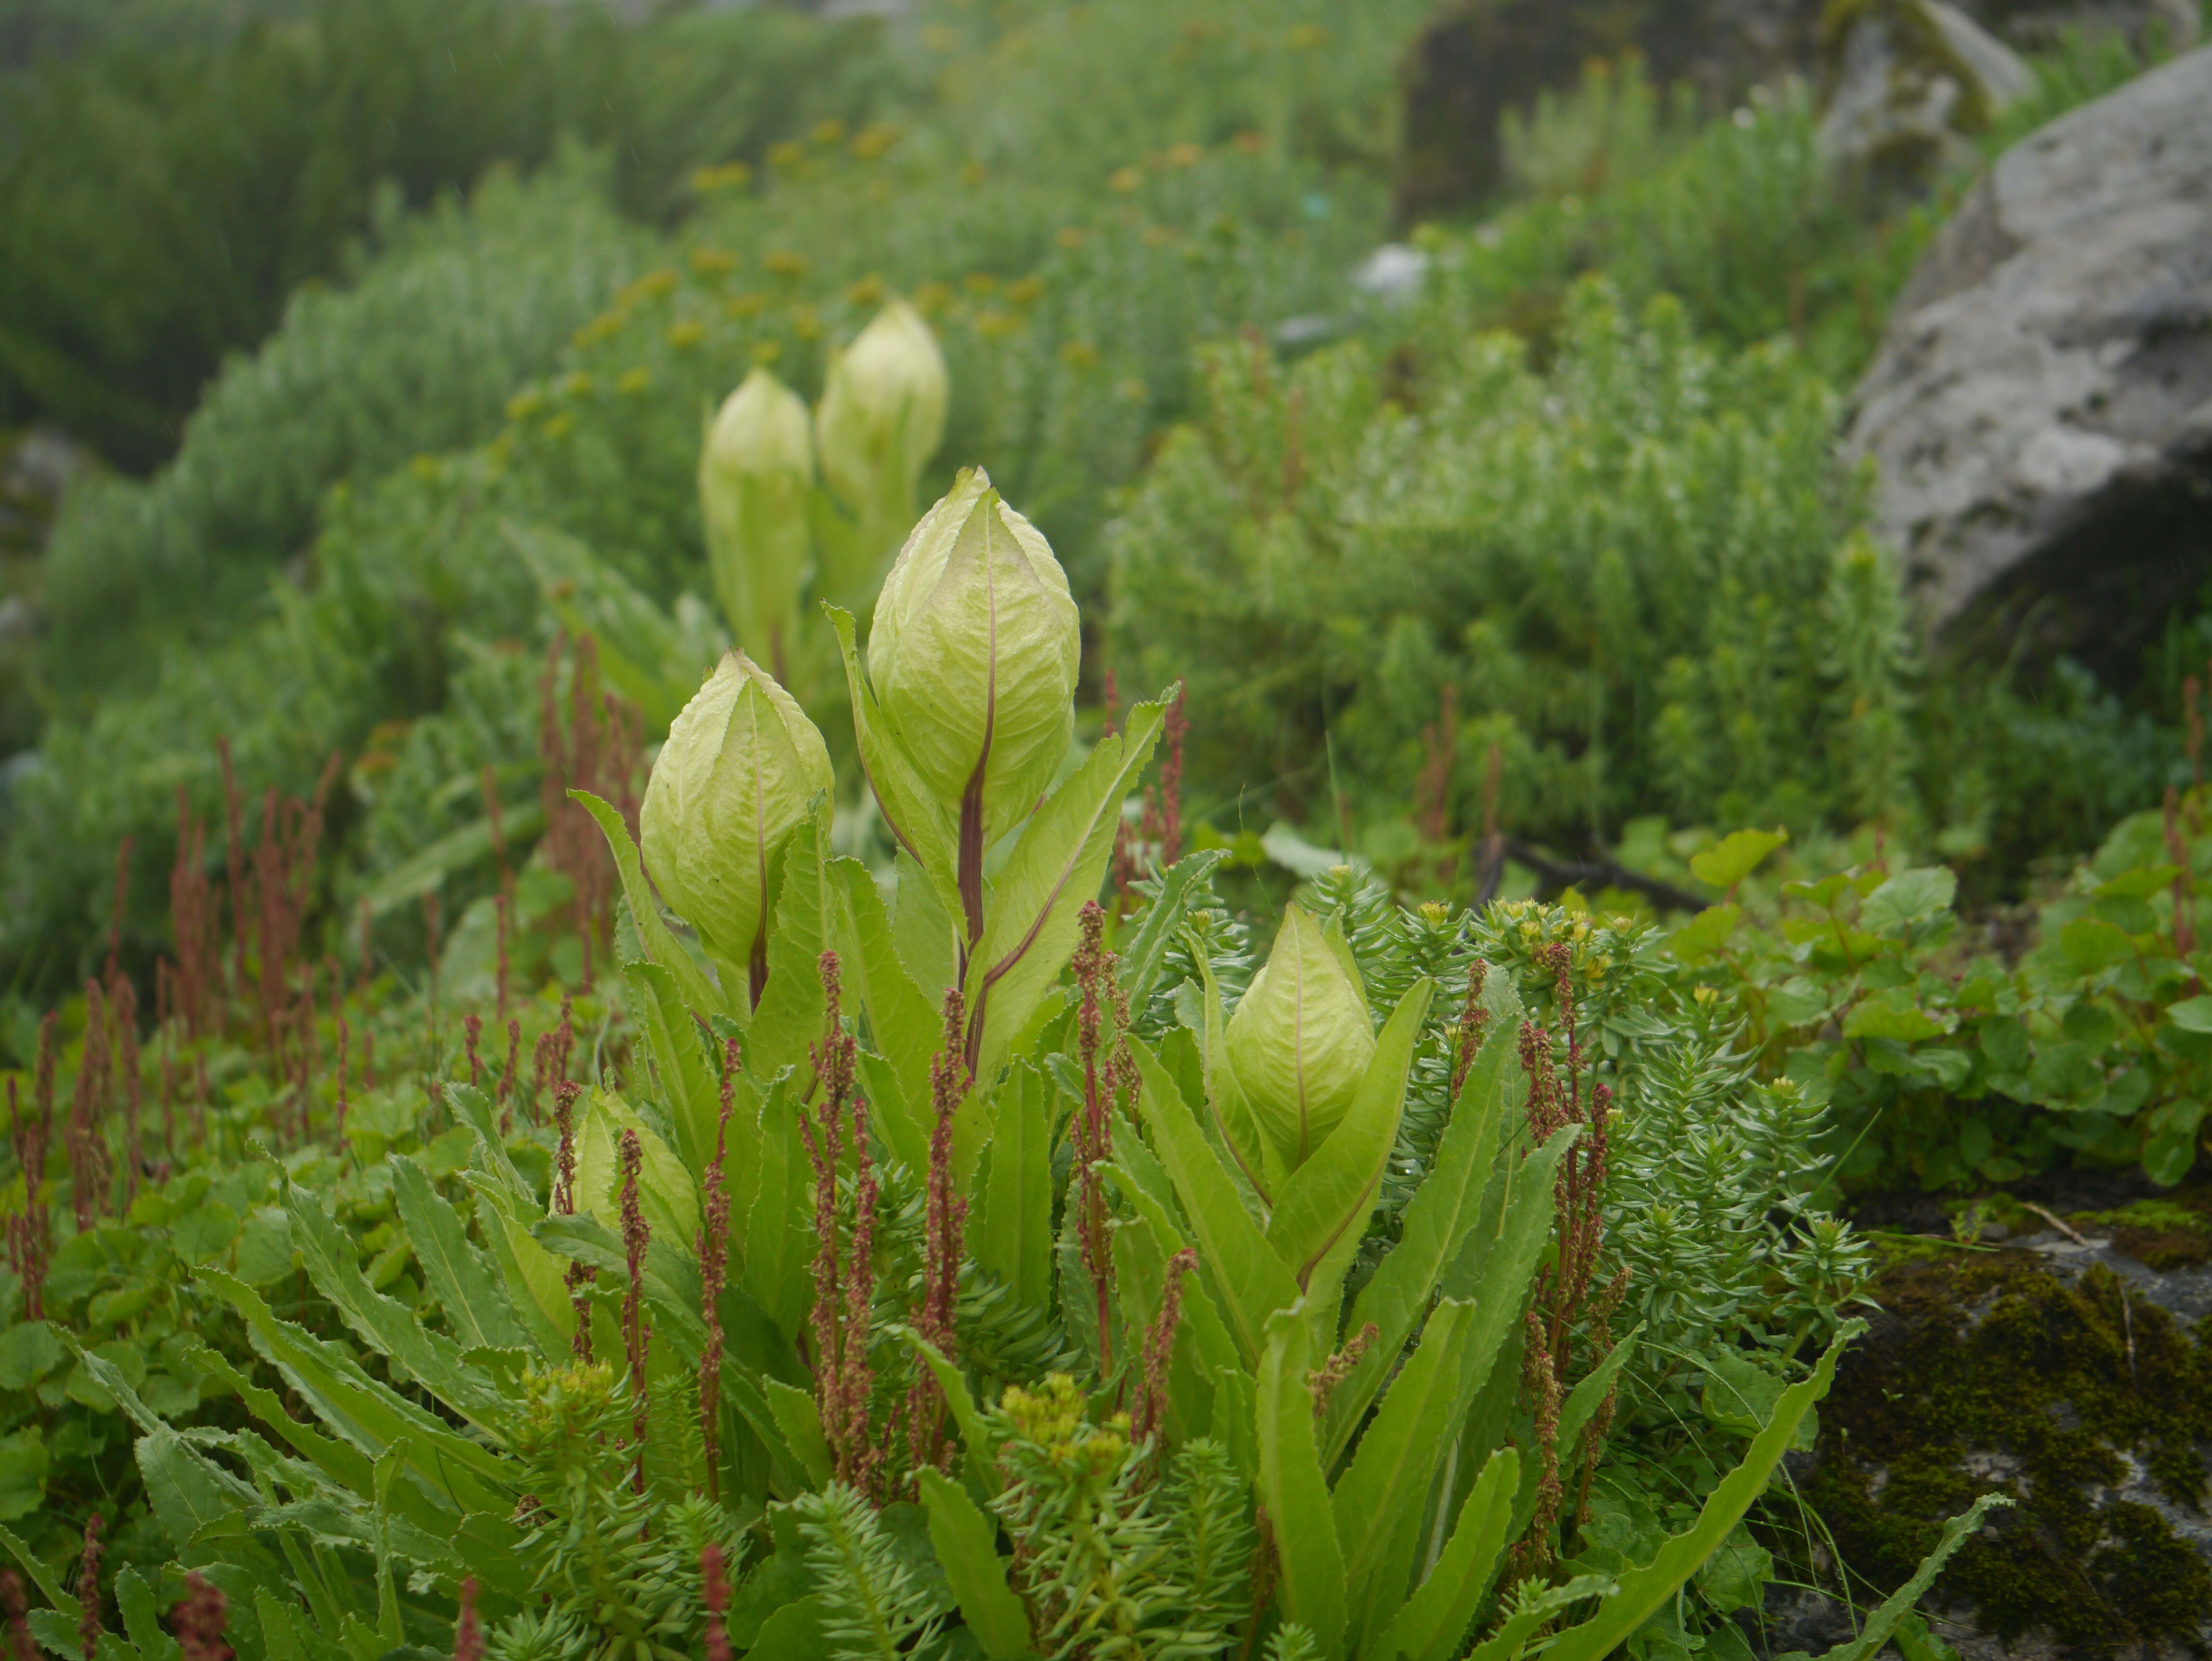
534, 1288
1254, 1279
1290, 1483
922, 931
1233, 1125
1735, 857
141, 1620
794, 1633
690, 1078
41, 1575
1030, 921
1436, 1219
1431, 1621
2192, 1015
917, 822
1535, 1607
30, 1349
1333, 1191
1643, 1591
778, 1234
387, 1325
904, 1029
1011, 1234
1891, 1014
800, 1421
1381, 1497
1704, 934
966, 1547
2090, 944
1147, 949
667, 1197
1909, 902
975, 1429
186, 1493
660, 943
453, 1271
792, 1012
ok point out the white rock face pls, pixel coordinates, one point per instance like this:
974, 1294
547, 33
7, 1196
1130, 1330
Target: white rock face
2043, 401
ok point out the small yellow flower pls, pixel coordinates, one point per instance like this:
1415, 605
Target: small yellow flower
1307, 37
576, 383
1071, 236
1135, 390
686, 334
1025, 292
931, 298
749, 304
829, 132
938, 39
973, 174
661, 280
1185, 155
726, 177
559, 425
781, 262
525, 404
633, 381
806, 323
713, 262
787, 154
980, 282
995, 325
873, 140
1252, 143
1158, 236
766, 352
1079, 355
868, 291
1125, 180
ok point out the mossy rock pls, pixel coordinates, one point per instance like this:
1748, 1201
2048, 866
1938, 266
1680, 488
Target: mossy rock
2069, 1390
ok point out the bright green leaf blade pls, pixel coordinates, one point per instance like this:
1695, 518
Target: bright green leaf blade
2192, 1015
1735, 857
1380, 1500
1536, 1606
140, 1619
975, 1429
916, 821
800, 1421
1898, 1605
904, 1030
1031, 920
1432, 1621
661, 943
792, 1010
1644, 1590
1438, 1218
690, 1078
477, 1313
1148, 950
967, 1548
1011, 1237
1252, 1278
1290, 1482
1333, 1191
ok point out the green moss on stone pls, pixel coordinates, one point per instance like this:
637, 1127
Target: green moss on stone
1991, 1373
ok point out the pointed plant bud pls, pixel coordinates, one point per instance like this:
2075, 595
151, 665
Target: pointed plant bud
1300, 1040
881, 418
755, 471
974, 652
740, 770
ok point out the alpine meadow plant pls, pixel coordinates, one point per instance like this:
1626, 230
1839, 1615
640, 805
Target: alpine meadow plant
905, 1275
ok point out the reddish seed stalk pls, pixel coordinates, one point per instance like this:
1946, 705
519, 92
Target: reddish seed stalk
844, 1284
344, 1035
1150, 1416
1093, 967
87, 1141
126, 1037
15, 1605
88, 1590
506, 1079
637, 1332
943, 1247
467, 1631
715, 1593
714, 1264
564, 1204
472, 1036
199, 1619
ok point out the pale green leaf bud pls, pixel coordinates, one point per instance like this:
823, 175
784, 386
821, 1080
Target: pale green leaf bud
740, 770
881, 418
974, 653
755, 471
1300, 1040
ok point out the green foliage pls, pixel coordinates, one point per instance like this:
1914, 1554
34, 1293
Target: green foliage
1634, 574
162, 201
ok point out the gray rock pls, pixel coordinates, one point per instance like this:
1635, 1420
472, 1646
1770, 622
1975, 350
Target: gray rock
1908, 80
2040, 410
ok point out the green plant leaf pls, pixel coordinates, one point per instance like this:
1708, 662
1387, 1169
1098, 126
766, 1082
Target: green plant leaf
690, 1078
1891, 1014
660, 941
2091, 946
1704, 934
794, 1633
1735, 857
792, 1010
1011, 1235
800, 1421
1333, 1191
1433, 1619
917, 822
1899, 1603
1437, 1218
1536, 1605
1255, 1281
453, 1271
1382, 1497
778, 1235
1147, 949
1644, 1590
1030, 920
134, 1598
2192, 1015
1290, 1483
974, 1428
41, 1575
904, 1029
966, 1547
1909, 901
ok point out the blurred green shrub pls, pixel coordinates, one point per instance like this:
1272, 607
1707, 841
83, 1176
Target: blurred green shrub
159, 202
1638, 573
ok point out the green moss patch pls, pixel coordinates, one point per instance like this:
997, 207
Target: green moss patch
1991, 1372
2174, 1231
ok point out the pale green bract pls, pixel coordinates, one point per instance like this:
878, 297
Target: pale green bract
881, 418
1300, 1040
755, 469
974, 654
742, 768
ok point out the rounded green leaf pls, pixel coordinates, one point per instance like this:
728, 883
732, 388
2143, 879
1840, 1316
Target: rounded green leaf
1300, 1041
882, 407
755, 471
